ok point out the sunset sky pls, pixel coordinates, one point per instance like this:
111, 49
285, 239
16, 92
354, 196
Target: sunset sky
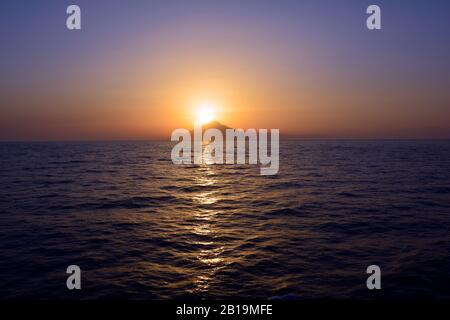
139, 69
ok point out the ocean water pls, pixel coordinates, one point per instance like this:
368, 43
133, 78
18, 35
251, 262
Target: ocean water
140, 227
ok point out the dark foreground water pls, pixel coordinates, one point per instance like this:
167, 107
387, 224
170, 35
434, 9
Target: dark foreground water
141, 227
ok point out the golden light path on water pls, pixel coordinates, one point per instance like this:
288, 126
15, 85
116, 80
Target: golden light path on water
210, 253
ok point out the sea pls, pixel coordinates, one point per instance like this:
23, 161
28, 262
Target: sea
140, 227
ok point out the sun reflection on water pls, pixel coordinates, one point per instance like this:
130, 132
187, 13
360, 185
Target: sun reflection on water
210, 251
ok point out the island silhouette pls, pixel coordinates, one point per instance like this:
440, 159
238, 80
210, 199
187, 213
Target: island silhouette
214, 124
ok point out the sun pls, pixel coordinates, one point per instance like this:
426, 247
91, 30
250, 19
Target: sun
205, 112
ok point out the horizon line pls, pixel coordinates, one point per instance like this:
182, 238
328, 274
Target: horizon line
292, 138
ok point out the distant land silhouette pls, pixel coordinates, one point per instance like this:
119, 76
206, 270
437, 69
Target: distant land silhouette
214, 124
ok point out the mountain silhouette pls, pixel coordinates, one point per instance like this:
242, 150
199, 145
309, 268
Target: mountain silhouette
214, 124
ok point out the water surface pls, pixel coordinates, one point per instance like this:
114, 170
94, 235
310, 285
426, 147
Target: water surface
141, 227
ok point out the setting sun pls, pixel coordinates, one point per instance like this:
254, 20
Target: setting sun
205, 113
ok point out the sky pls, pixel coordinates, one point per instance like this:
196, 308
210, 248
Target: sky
140, 69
